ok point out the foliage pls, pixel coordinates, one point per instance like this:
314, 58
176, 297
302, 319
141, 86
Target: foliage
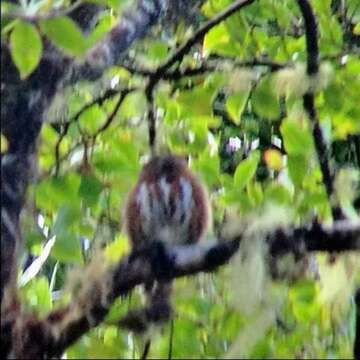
243, 126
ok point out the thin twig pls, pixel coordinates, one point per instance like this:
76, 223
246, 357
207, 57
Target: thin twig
156, 76
199, 34
108, 94
57, 147
151, 115
111, 117
137, 70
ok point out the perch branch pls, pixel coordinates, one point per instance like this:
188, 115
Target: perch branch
64, 326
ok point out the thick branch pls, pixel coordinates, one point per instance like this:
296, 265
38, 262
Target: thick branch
342, 236
131, 27
14, 174
311, 37
92, 304
24, 103
64, 326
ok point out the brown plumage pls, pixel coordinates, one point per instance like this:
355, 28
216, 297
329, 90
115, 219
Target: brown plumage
168, 203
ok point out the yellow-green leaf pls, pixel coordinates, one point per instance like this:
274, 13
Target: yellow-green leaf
264, 100
235, 105
356, 29
26, 48
4, 143
65, 34
297, 140
118, 248
246, 170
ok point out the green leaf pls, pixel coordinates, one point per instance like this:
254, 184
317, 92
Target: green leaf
116, 249
208, 167
235, 105
356, 29
172, 109
67, 216
115, 163
262, 349
60, 190
134, 105
205, 120
67, 245
197, 101
297, 140
298, 168
90, 189
304, 291
117, 310
157, 51
264, 101
277, 193
65, 34
302, 297
185, 345
97, 349
92, 118
8, 7
103, 26
255, 192
217, 39
246, 170
37, 295
26, 48
67, 248
334, 97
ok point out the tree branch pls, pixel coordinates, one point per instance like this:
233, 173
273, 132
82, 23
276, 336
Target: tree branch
343, 235
203, 68
64, 326
311, 36
24, 103
132, 26
158, 74
199, 34
110, 118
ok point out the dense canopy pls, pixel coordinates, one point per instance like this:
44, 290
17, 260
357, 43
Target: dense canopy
261, 97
